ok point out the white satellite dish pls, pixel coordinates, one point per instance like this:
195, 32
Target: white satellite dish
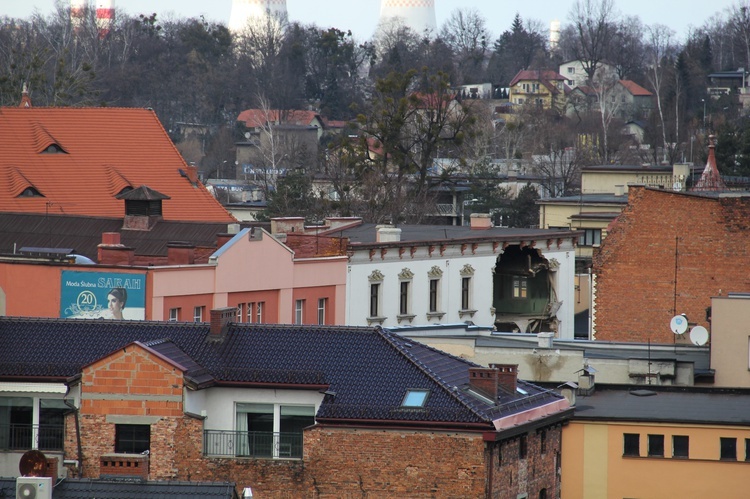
699, 335
679, 324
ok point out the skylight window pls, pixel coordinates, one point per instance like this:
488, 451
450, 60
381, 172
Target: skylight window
521, 391
415, 398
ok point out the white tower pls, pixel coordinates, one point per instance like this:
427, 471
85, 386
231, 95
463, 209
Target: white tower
419, 15
554, 34
244, 11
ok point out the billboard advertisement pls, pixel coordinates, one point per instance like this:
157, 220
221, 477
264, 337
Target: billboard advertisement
107, 295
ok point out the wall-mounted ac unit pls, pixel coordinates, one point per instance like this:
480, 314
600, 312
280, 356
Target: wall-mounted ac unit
33, 487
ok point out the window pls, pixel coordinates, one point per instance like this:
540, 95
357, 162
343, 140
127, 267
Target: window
656, 445
571, 70
197, 314
520, 287
680, 446
543, 494
747, 449
174, 314
728, 448
16, 416
260, 311
543, 441
591, 237
299, 311
374, 299
522, 447
132, 438
434, 285
272, 430
250, 312
403, 307
631, 444
465, 293
322, 310
240, 312
415, 398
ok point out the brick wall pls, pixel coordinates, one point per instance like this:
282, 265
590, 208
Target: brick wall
704, 240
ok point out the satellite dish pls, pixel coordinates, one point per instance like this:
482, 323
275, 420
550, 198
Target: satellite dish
699, 335
33, 463
679, 324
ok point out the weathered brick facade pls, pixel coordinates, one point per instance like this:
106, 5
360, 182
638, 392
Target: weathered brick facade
338, 462
667, 254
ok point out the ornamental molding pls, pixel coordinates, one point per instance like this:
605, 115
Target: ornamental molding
435, 272
467, 270
376, 276
406, 275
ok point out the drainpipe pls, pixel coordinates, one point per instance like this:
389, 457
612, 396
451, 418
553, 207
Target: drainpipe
78, 431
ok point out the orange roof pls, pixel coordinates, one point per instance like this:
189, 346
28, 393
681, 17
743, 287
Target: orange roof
258, 117
100, 151
635, 89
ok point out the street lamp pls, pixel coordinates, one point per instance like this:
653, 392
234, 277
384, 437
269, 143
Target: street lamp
704, 112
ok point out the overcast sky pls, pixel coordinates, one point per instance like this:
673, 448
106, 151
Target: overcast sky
361, 15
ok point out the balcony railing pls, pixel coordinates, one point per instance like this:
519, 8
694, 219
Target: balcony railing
25, 437
257, 444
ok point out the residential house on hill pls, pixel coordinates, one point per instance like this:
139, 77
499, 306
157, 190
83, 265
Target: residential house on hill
286, 410
97, 162
542, 88
575, 76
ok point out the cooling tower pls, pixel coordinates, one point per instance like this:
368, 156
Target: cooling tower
244, 11
105, 16
419, 15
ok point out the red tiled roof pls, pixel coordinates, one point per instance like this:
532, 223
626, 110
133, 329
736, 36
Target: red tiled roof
102, 151
258, 117
536, 75
635, 89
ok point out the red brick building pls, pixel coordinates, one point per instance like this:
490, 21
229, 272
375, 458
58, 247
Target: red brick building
291, 411
668, 253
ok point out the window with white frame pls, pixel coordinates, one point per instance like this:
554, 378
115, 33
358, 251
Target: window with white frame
322, 302
197, 314
433, 294
404, 297
376, 289
18, 430
272, 430
299, 311
434, 277
240, 312
260, 310
467, 275
174, 314
250, 312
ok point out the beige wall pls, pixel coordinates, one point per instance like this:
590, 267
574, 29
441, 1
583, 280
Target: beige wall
605, 182
593, 466
730, 340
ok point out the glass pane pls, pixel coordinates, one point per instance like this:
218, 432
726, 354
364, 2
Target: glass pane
415, 398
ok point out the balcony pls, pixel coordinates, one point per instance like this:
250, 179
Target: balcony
23, 437
254, 444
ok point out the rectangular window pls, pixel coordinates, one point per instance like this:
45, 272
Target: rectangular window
322, 310
434, 283
522, 447
51, 423
269, 430
680, 446
571, 70
728, 449
16, 417
260, 311
631, 444
174, 314
656, 445
299, 311
591, 237
240, 312
747, 449
374, 299
132, 438
197, 314
465, 293
250, 312
520, 287
292, 420
403, 307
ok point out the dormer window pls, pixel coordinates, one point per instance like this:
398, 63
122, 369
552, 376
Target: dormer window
53, 149
30, 192
415, 398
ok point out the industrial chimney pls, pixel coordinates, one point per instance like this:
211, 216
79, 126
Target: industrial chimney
246, 11
419, 15
77, 13
105, 16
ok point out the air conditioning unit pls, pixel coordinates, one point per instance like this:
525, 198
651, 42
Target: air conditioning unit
33, 487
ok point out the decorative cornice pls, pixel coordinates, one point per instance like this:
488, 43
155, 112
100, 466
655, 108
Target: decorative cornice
467, 270
435, 272
376, 276
406, 275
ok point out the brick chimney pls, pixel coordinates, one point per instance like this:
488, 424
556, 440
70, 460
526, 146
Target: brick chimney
180, 253
484, 381
220, 318
192, 174
481, 221
285, 225
111, 252
507, 376
123, 466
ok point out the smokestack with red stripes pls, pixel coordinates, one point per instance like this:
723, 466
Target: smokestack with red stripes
105, 16
77, 13
419, 15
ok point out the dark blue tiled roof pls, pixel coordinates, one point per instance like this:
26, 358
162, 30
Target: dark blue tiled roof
126, 489
368, 369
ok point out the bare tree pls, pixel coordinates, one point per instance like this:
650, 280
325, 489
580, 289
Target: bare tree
466, 33
595, 27
660, 52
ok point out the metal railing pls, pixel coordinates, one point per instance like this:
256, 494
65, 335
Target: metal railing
257, 444
26, 436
